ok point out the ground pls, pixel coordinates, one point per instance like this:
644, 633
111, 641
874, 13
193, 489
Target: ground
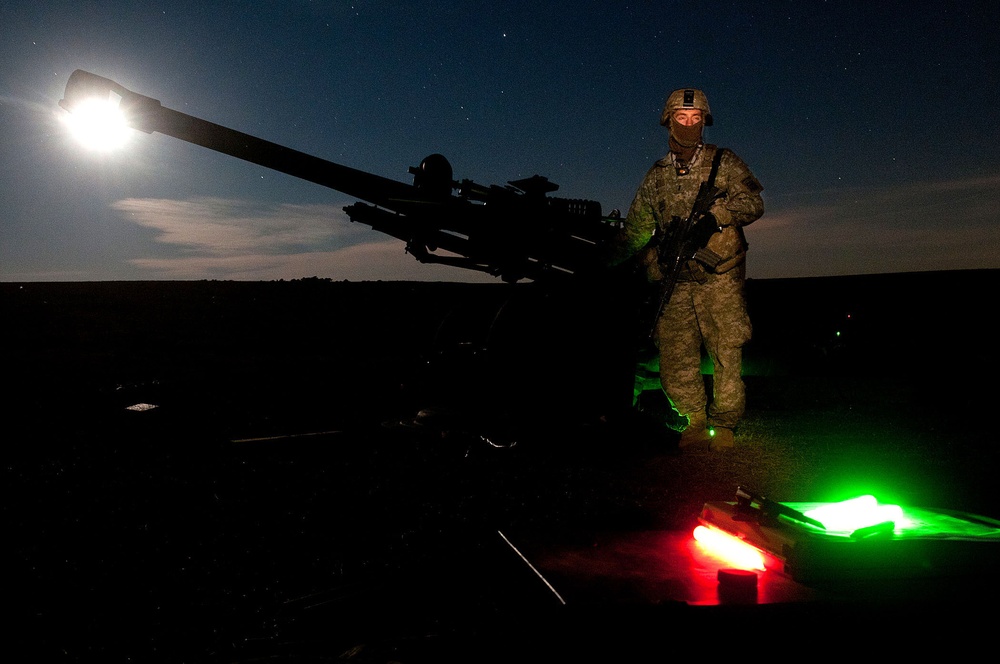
284, 500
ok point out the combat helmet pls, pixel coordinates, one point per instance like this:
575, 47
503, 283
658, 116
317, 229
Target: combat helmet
686, 98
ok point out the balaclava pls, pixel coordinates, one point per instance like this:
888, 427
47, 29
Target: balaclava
684, 140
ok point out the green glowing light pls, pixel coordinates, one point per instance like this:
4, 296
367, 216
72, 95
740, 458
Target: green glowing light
855, 513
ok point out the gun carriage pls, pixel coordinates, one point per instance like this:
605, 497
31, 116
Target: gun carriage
569, 328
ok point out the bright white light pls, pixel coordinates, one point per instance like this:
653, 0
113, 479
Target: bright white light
99, 124
860, 512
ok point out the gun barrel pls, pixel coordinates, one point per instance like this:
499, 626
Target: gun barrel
149, 115
515, 231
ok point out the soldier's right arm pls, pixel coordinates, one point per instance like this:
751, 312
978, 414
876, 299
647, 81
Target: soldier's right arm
637, 228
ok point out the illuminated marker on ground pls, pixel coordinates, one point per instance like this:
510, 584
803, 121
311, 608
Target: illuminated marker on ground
860, 512
736, 551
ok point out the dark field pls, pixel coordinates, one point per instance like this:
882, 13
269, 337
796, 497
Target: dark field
281, 504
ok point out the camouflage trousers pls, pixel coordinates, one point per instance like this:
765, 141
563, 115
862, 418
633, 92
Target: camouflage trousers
710, 315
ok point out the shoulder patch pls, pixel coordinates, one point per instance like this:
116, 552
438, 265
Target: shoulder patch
751, 183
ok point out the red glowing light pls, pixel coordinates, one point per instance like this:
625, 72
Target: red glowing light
729, 548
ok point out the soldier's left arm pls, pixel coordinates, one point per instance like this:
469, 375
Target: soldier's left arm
742, 203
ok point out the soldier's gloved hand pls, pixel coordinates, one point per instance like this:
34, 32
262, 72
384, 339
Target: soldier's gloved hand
722, 215
704, 228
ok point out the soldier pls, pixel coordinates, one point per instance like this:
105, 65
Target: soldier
707, 307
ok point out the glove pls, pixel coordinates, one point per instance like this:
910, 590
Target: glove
703, 229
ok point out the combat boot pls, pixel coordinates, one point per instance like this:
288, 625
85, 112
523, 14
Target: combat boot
696, 434
722, 439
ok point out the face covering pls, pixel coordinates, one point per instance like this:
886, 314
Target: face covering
684, 140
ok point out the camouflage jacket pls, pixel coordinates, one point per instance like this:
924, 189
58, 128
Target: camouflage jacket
664, 195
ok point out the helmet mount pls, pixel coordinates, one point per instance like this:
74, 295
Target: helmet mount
686, 98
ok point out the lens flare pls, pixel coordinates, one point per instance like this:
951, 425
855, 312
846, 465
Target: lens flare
98, 124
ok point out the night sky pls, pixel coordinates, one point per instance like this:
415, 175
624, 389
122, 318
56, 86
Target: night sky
873, 126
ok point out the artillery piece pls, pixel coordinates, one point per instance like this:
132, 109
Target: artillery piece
572, 308
514, 232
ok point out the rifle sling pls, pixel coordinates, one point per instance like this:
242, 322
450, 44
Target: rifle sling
716, 160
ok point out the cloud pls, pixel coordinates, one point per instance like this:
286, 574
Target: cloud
385, 260
826, 233
879, 230
228, 239
219, 227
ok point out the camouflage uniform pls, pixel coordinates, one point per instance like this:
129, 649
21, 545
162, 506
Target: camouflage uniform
707, 308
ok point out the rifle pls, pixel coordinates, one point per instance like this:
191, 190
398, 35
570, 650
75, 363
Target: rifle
687, 239
769, 510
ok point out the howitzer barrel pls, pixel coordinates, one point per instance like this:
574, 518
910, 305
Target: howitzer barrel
149, 115
514, 232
